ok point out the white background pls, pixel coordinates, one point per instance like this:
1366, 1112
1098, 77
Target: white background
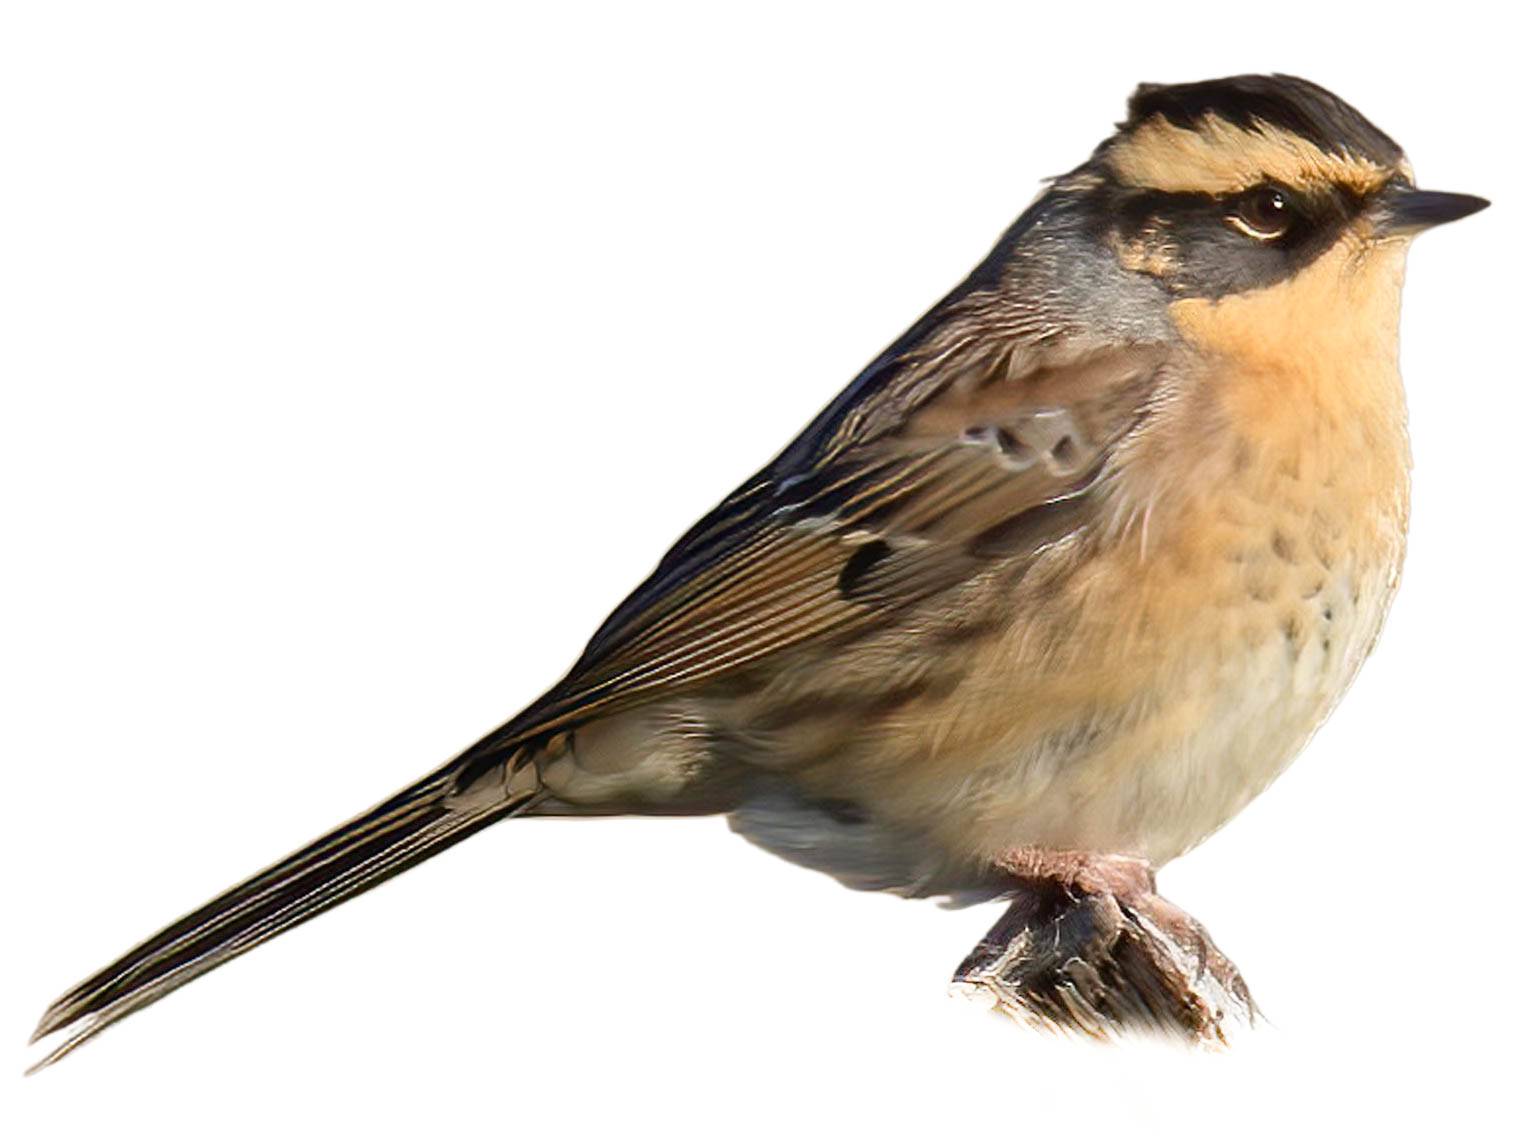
357, 359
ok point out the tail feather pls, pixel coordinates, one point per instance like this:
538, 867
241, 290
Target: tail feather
411, 826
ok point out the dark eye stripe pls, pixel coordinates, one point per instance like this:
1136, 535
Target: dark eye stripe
1209, 247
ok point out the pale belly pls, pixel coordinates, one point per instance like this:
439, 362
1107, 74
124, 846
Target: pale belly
1167, 690
1217, 727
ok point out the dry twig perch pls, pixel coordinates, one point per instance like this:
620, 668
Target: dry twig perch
1103, 965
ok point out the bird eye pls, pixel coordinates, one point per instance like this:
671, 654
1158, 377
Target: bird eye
1264, 213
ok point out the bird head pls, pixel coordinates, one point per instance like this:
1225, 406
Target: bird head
1266, 216
1234, 185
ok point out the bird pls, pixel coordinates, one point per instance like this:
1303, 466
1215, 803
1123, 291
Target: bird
1062, 580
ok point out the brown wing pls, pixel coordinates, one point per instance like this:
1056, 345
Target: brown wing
909, 487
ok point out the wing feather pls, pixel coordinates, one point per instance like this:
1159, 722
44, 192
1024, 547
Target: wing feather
977, 450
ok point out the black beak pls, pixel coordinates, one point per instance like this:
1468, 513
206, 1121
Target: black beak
1407, 210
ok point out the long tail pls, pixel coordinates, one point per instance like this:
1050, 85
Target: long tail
418, 822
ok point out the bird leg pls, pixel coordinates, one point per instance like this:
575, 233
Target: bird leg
1088, 945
